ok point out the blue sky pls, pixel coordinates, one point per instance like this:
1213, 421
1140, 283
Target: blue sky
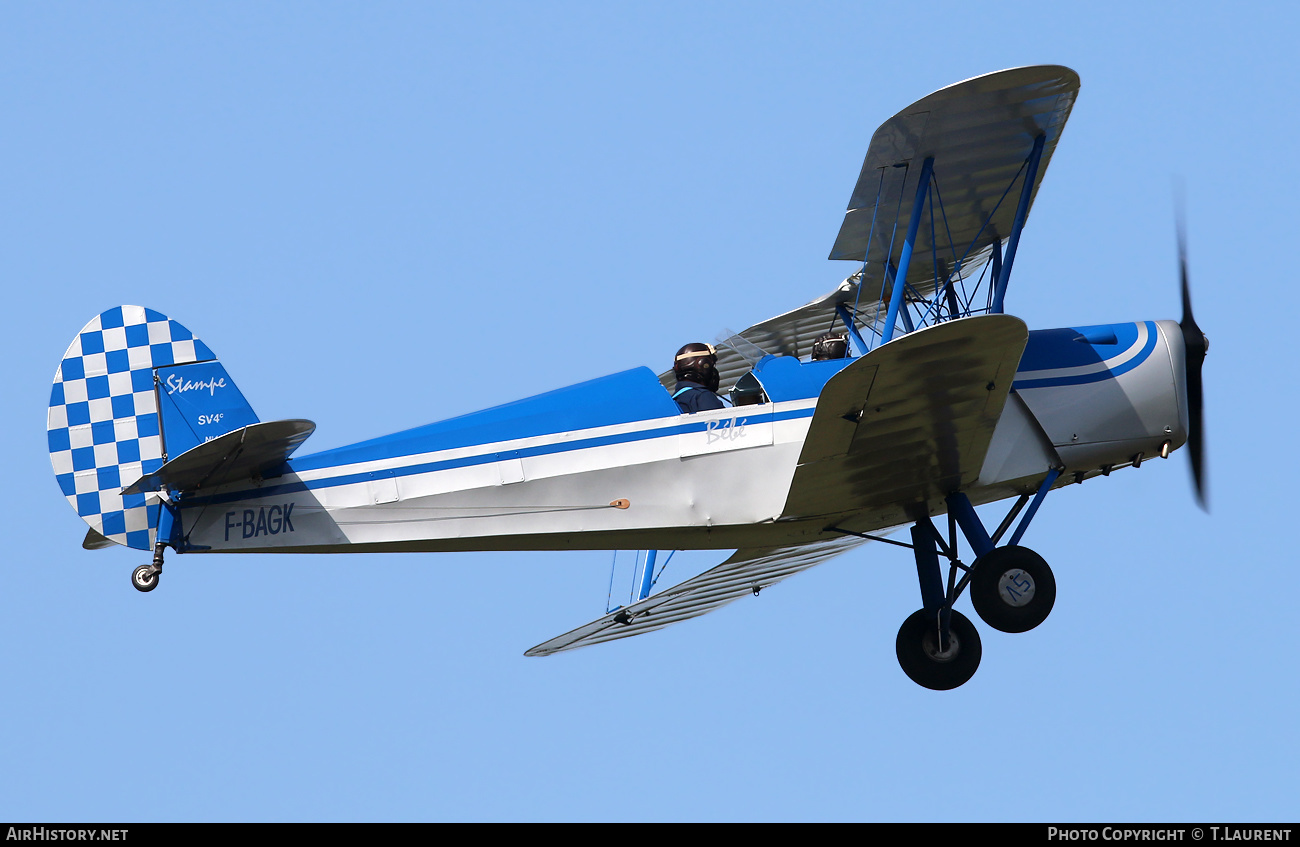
383, 214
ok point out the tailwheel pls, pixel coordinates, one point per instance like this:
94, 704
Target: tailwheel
145, 577
1012, 589
932, 661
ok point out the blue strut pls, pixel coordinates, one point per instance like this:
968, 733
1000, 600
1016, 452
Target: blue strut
647, 576
905, 257
847, 318
1052, 476
927, 566
169, 525
959, 506
1022, 211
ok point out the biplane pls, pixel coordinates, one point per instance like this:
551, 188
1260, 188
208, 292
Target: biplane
942, 403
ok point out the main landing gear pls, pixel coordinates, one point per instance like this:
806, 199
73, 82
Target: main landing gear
1011, 588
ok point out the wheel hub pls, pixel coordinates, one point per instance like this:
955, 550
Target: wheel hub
1016, 588
931, 646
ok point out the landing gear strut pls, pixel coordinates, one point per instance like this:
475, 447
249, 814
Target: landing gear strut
145, 577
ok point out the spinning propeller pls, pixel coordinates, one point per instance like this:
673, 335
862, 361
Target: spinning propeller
1195, 346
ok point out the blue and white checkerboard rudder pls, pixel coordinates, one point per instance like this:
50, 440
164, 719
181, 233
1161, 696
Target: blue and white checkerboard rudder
103, 422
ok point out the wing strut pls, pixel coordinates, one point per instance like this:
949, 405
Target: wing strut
647, 574
1022, 211
905, 258
847, 318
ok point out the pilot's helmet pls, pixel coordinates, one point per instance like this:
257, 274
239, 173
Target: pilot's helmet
697, 363
830, 346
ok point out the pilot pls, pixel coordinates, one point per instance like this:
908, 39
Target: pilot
830, 346
696, 370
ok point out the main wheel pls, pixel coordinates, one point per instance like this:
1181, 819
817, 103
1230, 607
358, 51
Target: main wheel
144, 578
927, 662
1012, 589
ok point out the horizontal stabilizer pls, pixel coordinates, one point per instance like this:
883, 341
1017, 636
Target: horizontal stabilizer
95, 541
746, 572
251, 452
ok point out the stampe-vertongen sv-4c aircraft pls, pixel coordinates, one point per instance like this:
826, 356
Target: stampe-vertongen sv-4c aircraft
943, 403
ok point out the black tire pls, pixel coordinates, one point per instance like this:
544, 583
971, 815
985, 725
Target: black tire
928, 666
1012, 589
144, 578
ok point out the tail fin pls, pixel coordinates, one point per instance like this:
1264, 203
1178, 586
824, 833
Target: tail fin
198, 403
107, 427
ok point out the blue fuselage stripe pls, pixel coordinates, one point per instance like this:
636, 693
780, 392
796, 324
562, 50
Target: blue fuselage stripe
469, 461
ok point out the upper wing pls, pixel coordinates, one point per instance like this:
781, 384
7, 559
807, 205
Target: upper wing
979, 132
908, 422
746, 572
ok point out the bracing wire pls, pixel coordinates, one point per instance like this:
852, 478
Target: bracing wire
655, 581
866, 254
609, 597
